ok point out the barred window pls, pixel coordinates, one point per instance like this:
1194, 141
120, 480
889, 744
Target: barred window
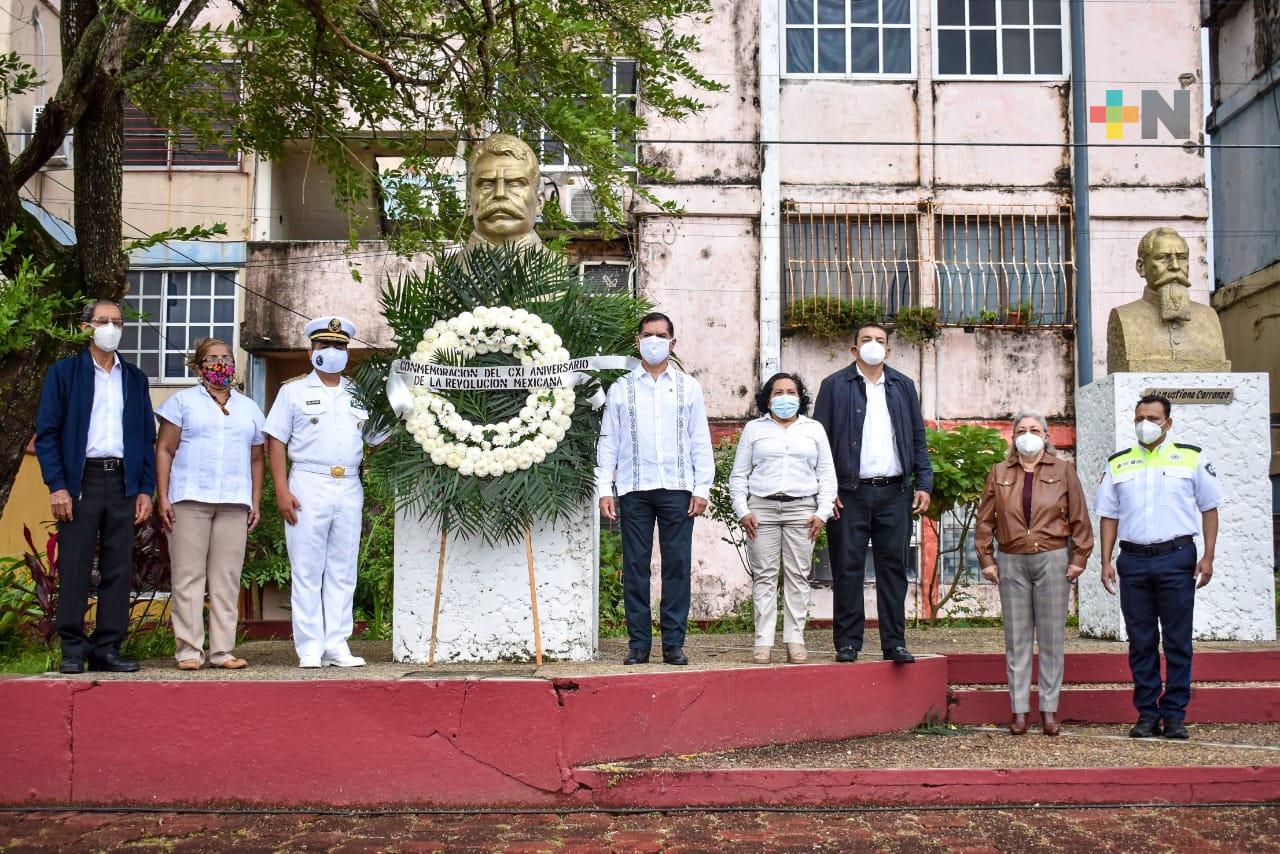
1008, 266
147, 145
167, 311
607, 277
852, 251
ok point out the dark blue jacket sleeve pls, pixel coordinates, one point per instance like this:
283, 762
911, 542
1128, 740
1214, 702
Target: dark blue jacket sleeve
824, 409
920, 446
147, 479
50, 419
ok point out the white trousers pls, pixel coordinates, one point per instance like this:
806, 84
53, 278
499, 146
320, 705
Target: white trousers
323, 546
782, 538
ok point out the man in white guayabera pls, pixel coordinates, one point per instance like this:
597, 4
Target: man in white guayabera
654, 466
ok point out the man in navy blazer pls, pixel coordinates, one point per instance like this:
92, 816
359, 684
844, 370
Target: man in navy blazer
95, 439
872, 417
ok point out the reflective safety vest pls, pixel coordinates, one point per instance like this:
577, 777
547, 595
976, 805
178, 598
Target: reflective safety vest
1124, 465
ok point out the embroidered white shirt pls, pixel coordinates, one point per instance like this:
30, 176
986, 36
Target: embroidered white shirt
106, 419
654, 435
213, 459
777, 460
879, 456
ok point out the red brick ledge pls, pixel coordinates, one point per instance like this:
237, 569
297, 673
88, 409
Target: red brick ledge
988, 668
1209, 704
784, 787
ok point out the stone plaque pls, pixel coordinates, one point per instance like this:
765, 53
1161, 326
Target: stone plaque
1188, 396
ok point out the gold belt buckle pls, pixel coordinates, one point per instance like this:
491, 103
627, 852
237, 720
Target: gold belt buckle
338, 471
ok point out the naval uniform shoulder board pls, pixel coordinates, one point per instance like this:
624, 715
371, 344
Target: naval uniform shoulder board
1187, 447
293, 380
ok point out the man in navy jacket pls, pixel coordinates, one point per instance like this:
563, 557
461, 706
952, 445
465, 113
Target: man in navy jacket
95, 439
872, 417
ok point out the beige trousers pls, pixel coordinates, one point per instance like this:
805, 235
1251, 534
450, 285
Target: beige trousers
782, 539
207, 550
1033, 600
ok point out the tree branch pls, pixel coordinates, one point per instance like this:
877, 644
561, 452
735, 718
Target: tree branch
393, 74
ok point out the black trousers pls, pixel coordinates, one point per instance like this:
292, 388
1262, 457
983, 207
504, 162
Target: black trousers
881, 515
1158, 600
102, 520
638, 512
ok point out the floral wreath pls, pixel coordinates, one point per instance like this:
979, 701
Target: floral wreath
490, 450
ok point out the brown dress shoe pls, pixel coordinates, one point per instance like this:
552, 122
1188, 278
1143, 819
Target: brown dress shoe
1049, 723
1018, 724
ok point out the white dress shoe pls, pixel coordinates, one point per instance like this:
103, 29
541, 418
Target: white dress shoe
309, 661
342, 659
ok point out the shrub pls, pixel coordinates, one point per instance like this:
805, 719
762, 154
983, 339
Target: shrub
830, 319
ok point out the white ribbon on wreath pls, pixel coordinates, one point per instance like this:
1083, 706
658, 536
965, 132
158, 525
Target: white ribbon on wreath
545, 369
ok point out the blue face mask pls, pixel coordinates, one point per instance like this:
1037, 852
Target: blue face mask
785, 406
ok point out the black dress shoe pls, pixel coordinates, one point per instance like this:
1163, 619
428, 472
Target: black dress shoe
112, 662
899, 655
72, 664
674, 655
637, 657
846, 654
1175, 729
1145, 728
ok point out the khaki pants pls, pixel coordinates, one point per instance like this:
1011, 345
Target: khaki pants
207, 550
782, 537
1033, 600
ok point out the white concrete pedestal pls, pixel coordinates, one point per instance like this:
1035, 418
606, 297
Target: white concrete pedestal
1239, 602
484, 612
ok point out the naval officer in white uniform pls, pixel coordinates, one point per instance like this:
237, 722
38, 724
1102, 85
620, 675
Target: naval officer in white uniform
322, 423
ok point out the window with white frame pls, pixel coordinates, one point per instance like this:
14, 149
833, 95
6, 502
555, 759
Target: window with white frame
849, 37
168, 311
618, 79
999, 38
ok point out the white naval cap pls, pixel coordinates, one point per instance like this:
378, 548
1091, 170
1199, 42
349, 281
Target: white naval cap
331, 328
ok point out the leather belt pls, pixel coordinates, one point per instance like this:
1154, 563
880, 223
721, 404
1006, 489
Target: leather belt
1152, 549
104, 463
778, 496
882, 481
330, 471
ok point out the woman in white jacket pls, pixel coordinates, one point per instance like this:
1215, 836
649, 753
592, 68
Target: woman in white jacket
783, 487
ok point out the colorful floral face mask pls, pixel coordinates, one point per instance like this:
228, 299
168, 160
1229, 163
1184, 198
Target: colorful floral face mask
218, 375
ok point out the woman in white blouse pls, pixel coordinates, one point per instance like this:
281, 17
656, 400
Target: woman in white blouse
209, 467
783, 487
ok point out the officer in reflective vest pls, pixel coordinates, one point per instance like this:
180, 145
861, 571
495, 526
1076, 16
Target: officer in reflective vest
321, 423
1155, 497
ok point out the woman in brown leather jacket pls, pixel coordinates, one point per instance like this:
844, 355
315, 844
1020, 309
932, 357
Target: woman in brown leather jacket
1034, 508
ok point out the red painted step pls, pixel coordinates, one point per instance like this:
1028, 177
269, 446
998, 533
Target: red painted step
1209, 704
827, 787
988, 668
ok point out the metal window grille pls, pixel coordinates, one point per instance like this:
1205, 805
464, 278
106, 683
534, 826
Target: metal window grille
169, 311
997, 264
952, 560
852, 251
618, 78
607, 277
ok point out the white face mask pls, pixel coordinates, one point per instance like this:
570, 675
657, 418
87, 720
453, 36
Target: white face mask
872, 353
1029, 444
1148, 431
331, 360
655, 350
107, 337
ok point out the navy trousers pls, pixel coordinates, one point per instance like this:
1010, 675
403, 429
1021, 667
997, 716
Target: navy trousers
638, 512
880, 515
1157, 598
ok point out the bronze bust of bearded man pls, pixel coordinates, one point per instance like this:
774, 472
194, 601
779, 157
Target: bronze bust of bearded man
1164, 331
504, 193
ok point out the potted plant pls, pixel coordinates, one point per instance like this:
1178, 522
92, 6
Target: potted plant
988, 317
830, 319
968, 322
917, 323
1020, 314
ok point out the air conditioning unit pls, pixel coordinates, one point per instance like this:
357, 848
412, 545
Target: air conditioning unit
579, 205
60, 159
